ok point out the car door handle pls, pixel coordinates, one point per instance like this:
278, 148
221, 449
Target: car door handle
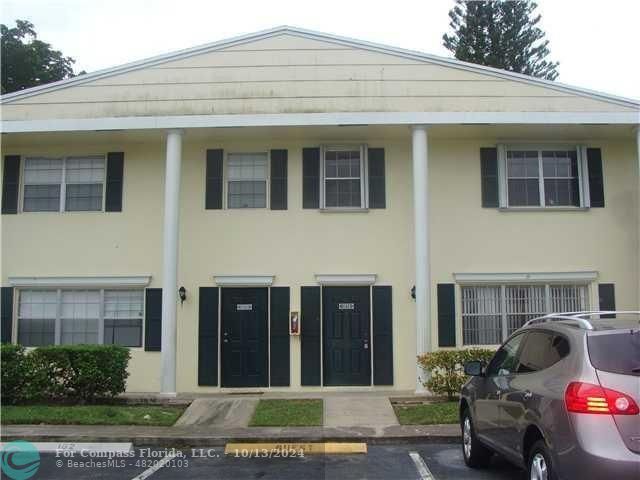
527, 395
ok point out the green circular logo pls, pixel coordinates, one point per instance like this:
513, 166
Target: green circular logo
20, 460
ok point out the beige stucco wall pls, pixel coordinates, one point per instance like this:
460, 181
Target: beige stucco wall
292, 74
296, 244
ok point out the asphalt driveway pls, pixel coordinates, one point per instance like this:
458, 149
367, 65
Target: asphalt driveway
390, 462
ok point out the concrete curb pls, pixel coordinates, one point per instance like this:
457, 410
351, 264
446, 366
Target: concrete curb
195, 437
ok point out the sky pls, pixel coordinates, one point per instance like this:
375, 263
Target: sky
596, 42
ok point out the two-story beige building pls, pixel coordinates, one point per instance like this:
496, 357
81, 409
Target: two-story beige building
206, 206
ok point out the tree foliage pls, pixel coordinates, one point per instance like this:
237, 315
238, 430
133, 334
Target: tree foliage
27, 61
502, 34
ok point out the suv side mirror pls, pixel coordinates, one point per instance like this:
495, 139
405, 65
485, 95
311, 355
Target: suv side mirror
474, 368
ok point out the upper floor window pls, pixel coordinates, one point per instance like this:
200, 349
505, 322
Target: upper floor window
543, 177
343, 177
63, 184
247, 180
67, 317
490, 313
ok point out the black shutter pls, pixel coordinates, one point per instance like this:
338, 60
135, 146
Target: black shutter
6, 324
596, 182
113, 194
278, 179
153, 320
382, 336
377, 194
10, 184
310, 178
310, 335
446, 315
208, 336
607, 294
213, 194
279, 337
489, 175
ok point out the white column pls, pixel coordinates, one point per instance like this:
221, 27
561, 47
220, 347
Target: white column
170, 263
420, 156
638, 206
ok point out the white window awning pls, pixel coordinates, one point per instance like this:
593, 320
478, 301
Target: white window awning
344, 279
244, 280
81, 281
528, 277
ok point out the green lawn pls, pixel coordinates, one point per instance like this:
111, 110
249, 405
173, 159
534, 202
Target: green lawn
91, 414
287, 413
427, 414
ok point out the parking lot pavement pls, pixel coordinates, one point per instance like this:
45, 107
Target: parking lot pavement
393, 462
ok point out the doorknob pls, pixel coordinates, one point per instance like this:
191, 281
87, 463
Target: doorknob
366, 344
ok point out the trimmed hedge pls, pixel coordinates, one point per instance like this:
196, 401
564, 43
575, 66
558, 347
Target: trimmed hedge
14, 371
78, 373
445, 369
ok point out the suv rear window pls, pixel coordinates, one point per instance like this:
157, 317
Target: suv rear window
617, 352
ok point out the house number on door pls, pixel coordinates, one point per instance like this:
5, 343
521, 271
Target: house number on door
346, 306
243, 307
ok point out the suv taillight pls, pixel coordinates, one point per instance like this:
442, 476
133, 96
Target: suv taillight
589, 398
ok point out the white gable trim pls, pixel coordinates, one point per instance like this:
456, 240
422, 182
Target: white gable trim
318, 119
345, 41
80, 282
525, 277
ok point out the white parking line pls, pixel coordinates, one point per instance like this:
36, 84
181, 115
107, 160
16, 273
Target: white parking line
423, 470
151, 470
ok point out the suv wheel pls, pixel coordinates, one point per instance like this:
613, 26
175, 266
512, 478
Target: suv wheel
539, 465
475, 453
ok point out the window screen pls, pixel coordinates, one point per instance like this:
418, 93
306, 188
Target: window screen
560, 171
37, 317
80, 180
548, 178
123, 310
42, 184
79, 316
523, 178
247, 180
84, 183
342, 178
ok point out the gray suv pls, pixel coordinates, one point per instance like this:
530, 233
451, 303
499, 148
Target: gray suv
559, 398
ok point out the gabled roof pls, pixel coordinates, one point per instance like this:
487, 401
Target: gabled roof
344, 41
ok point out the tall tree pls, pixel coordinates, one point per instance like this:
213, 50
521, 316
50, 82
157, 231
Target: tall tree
27, 61
502, 34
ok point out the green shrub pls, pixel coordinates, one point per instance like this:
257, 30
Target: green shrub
79, 373
445, 369
13, 373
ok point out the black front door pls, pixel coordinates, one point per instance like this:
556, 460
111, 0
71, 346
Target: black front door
244, 337
347, 352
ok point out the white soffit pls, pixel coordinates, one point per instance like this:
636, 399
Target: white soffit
525, 277
244, 280
338, 279
317, 119
82, 282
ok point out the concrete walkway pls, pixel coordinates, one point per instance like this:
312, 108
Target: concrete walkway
219, 412
373, 411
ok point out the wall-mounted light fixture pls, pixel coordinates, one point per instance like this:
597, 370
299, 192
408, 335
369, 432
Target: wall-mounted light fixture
413, 292
182, 293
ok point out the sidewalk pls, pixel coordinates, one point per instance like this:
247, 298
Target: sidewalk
195, 436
